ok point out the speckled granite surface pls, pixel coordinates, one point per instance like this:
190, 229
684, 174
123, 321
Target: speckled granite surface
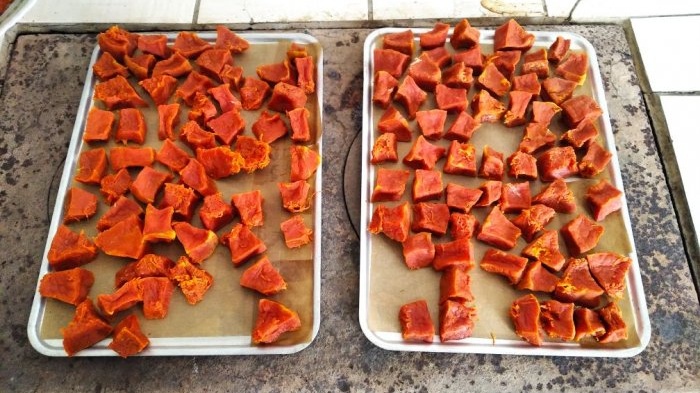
37, 110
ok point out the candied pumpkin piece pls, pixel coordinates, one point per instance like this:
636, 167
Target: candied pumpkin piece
463, 225
249, 207
498, 231
140, 65
615, 327
458, 76
128, 338
132, 126
123, 239
464, 35
587, 323
272, 321
189, 44
557, 319
220, 162
227, 39
182, 199
98, 126
577, 285
581, 234
391, 61
558, 50
193, 84
439, 56
425, 73
461, 159
461, 198
242, 243
390, 184
427, 185
400, 41
557, 163
172, 156
157, 224
150, 265
603, 199
125, 297
228, 126
226, 100
156, 293
86, 329
511, 35
505, 61
212, 61
198, 243
130, 157
194, 175
595, 160
584, 133
155, 44
393, 122
168, 117
147, 184
423, 154
416, 324
91, 166
493, 80
263, 277
384, 86
451, 99
295, 196
536, 62
430, 217
176, 66
490, 192
118, 93
544, 111
117, 42
463, 128
233, 76
304, 162
202, 109
558, 196
253, 93
299, 122
558, 90
456, 320
411, 96
385, 149
69, 249
525, 314
579, 108
80, 205
609, 269
394, 222
436, 37
536, 137
286, 97
522, 166
295, 232
472, 58
532, 219
492, 165
256, 155
306, 73
107, 67
215, 212
537, 278
418, 250
515, 197
517, 108
121, 209
507, 265
574, 68
193, 281
487, 109
69, 286
274, 73
458, 252
269, 127
545, 249
431, 122
527, 83
455, 285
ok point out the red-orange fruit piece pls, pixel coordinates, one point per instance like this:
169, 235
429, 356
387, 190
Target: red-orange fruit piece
439, 56
609, 270
220, 162
544, 249
458, 252
69, 286
615, 327
269, 127
385, 149
118, 93
80, 205
517, 108
306, 73
304, 163
603, 199
461, 198
494, 81
436, 37
147, 184
416, 324
458, 76
255, 154
132, 126
215, 212
579, 108
295, 196
594, 161
286, 97
577, 285
522, 166
581, 234
155, 44
505, 61
581, 135
492, 165
537, 278
557, 163
98, 125
299, 122
150, 265
455, 285
168, 117
431, 122
558, 90
423, 154
157, 224
227, 126
535, 137
472, 58
574, 68
393, 122
463, 128
107, 67
122, 209
242, 243
418, 250
515, 197
587, 323
461, 159
253, 93
274, 73
193, 281
123, 239
525, 314
130, 157
86, 329
176, 66
157, 293
263, 277
390, 185
427, 185
411, 96
527, 83
391, 61
498, 231
92, 165
128, 339
544, 111
507, 265
140, 65
295, 232
195, 176
487, 109
198, 243
118, 42
226, 39
430, 217
451, 99
223, 96
456, 320
511, 35
202, 109
425, 73
532, 219
401, 42
189, 44
272, 321
464, 35
558, 50
394, 222
249, 207
194, 83
197, 137
212, 61
172, 156
182, 199
536, 62
463, 225
557, 196
384, 86
490, 192
558, 319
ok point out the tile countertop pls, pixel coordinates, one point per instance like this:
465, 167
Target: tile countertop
37, 110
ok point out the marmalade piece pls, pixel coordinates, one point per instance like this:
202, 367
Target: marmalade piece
416, 324
263, 277
545, 249
558, 319
456, 320
69, 249
69, 286
394, 222
498, 231
80, 205
577, 285
525, 314
198, 243
603, 199
242, 243
128, 338
272, 321
390, 185
507, 265
418, 250
86, 329
295, 232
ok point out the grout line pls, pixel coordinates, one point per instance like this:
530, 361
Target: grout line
544, 8
195, 14
678, 93
571, 13
370, 11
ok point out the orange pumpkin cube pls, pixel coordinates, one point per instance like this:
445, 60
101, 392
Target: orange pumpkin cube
505, 61
536, 62
107, 67
439, 56
157, 224
91, 166
594, 161
584, 133
431, 122
401, 42
155, 44
80, 205
527, 83
269, 127
168, 117
517, 106
156, 293
558, 90
574, 68
295, 196
492, 165
212, 61
176, 66
522, 166
471, 58
458, 76
430, 217
603, 199
123, 239
202, 110
286, 97
272, 321
295, 232
456, 320
609, 269
487, 109
425, 73
427, 185
455, 285
195, 176
511, 35
558, 50
86, 329
140, 65
463, 128
461, 198
132, 126
147, 184
117, 42
532, 219
122, 208
411, 96
223, 96
256, 154
557, 163
463, 225
459, 252
125, 297
172, 156
196, 137
587, 323
182, 199
423, 154
390, 185
226, 39
436, 37
615, 327
581, 234
263, 277
545, 249
304, 162
193, 281
227, 126
253, 93
418, 250
299, 122
515, 197
128, 339
118, 93
464, 35
384, 87
385, 149
242, 243
249, 207
544, 111
194, 83
494, 81
215, 212
130, 157
577, 285
416, 324
198, 243
558, 319
461, 159
536, 136
391, 61
579, 108
150, 265
393, 122
507, 265
189, 44
69, 249
525, 314
69, 286
490, 193
306, 73
558, 196
451, 99
394, 222
537, 278
498, 231
98, 125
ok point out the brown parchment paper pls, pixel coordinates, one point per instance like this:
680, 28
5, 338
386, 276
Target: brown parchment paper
392, 285
227, 308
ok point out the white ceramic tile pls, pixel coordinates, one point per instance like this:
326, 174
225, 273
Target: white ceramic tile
559, 8
670, 63
453, 9
111, 11
255, 11
681, 118
608, 10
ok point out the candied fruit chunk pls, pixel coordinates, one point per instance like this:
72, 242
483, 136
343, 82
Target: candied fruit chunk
150, 265
295, 196
455, 285
431, 122
557, 319
391, 61
595, 160
286, 97
439, 56
272, 321
423, 154
118, 93
537, 278
80, 205
86, 329
587, 323
263, 277
533, 219
295, 232
557, 163
215, 212
498, 231
461, 198
242, 243
115, 185
69, 286
436, 37
411, 96
92, 165
609, 269
507, 265
525, 314
603, 199
385, 149
416, 324
394, 222
456, 320
459, 252
615, 327
400, 41
193, 281
581, 234
124, 239
418, 250
128, 338
390, 185
69, 249
157, 224
464, 35
545, 249
511, 35
198, 243
577, 285
256, 155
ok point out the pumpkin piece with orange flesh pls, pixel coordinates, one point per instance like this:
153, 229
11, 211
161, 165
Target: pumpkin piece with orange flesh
147, 184
577, 285
527, 83
150, 265
511, 35
461, 159
299, 122
128, 338
490, 193
269, 127
581, 234
212, 61
391, 61
295, 196
155, 44
176, 66
286, 97
220, 162
274, 73
439, 56
507, 265
122, 209
80, 205
431, 122
272, 321
464, 35
242, 243
123, 239
498, 231
427, 185
544, 111
423, 154
558, 196
416, 324
587, 323
189, 44
487, 109
459, 252
558, 90
457, 320
156, 292
172, 156
494, 81
130, 157
202, 109
233, 76
193, 281
455, 285
394, 222
194, 175
557, 319
594, 161
98, 126
436, 37
198, 243
107, 67
609, 269
517, 108
418, 250
574, 68
536, 62
515, 197
463, 128
411, 96
425, 73
525, 314
580, 136
558, 50
492, 165
400, 41
557, 163
537, 278
545, 249
131, 126
536, 137
603, 199
451, 99
91, 166
430, 217
472, 58
304, 162
385, 149
118, 93
533, 219
505, 61
125, 297
226, 39
226, 100
461, 198
384, 87
393, 122
615, 327
463, 225
579, 108
248, 205
263, 277
215, 212
157, 224
181, 198
86, 329
522, 166
140, 65
458, 76
118, 42
69, 286
295, 232
168, 117
390, 184
194, 83
256, 154
306, 73
227, 126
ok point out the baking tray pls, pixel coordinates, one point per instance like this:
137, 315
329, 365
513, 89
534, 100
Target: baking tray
386, 283
222, 322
